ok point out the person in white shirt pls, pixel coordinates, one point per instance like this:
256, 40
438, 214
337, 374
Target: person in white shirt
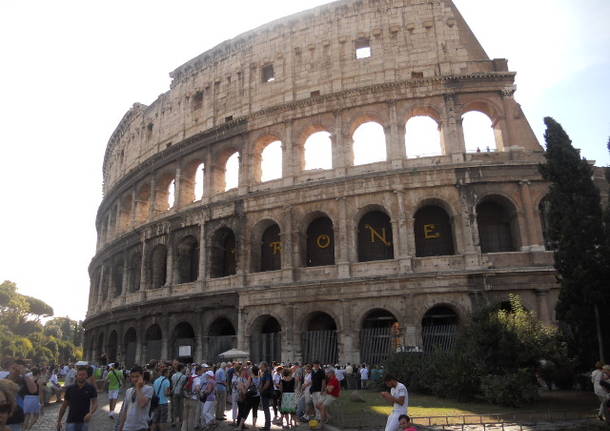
364, 376
596, 377
399, 397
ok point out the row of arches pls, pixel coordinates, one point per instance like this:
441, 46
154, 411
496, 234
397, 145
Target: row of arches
378, 334
433, 233
369, 144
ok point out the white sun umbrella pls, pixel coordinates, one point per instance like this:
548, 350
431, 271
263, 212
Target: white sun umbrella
234, 354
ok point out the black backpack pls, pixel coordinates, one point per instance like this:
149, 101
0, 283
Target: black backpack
154, 401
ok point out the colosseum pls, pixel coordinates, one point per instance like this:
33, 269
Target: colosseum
245, 209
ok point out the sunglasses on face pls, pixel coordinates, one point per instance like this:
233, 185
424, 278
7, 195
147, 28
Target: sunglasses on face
5, 408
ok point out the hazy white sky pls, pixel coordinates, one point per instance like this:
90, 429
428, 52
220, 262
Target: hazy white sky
71, 69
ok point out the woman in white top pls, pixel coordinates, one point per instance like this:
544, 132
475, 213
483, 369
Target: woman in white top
235, 393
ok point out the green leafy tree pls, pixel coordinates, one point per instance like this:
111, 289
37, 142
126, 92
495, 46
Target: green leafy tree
578, 236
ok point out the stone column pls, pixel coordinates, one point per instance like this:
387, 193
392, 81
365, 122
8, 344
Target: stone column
452, 134
288, 248
345, 336
178, 188
134, 209
139, 359
341, 241
245, 171
152, 209
542, 305
143, 270
395, 140
208, 177
100, 289
288, 157
242, 339
288, 337
506, 122
401, 234
534, 227
165, 342
202, 254
124, 279
340, 150
198, 348
169, 277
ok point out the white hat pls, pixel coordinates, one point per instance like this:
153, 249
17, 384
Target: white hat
209, 373
204, 365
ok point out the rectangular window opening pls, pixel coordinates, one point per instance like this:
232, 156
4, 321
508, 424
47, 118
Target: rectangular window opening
363, 49
229, 118
268, 74
416, 75
315, 93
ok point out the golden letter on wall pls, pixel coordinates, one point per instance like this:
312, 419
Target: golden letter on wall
323, 241
276, 246
429, 232
375, 234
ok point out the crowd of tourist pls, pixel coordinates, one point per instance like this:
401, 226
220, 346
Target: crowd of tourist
189, 397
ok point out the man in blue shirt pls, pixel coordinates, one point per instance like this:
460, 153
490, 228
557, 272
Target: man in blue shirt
266, 393
161, 387
221, 392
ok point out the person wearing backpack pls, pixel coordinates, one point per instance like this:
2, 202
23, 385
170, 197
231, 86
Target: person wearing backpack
179, 380
192, 405
162, 388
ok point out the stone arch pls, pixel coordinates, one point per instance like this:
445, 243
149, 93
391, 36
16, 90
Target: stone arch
266, 250
187, 259
261, 170
543, 213
153, 340
494, 114
423, 136
318, 151
375, 237
305, 128
265, 339
319, 339
439, 327
497, 224
364, 138
124, 221
221, 337
113, 347
320, 241
192, 182
134, 271
433, 229
117, 276
183, 336
165, 192
219, 168
223, 250
376, 335
100, 351
142, 202
158, 266
130, 343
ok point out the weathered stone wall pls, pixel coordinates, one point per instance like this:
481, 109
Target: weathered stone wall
425, 61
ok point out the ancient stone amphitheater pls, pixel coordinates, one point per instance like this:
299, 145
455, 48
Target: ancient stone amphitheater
343, 261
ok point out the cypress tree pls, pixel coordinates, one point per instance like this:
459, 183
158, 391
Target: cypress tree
577, 234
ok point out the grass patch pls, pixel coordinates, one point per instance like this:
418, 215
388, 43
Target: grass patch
374, 411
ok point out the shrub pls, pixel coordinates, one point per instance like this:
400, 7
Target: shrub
513, 390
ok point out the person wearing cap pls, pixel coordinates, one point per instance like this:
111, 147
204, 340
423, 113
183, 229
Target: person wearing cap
208, 408
221, 391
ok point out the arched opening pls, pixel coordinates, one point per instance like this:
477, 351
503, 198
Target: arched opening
143, 203
221, 337
369, 143
125, 213
232, 172
439, 329
265, 341
130, 341
100, 352
318, 151
271, 249
113, 347
199, 184
497, 223
165, 193
187, 259
433, 233
271, 161
223, 253
320, 243
105, 282
544, 209
377, 338
422, 137
135, 270
117, 278
479, 132
319, 340
152, 343
183, 342
158, 266
375, 237
171, 194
